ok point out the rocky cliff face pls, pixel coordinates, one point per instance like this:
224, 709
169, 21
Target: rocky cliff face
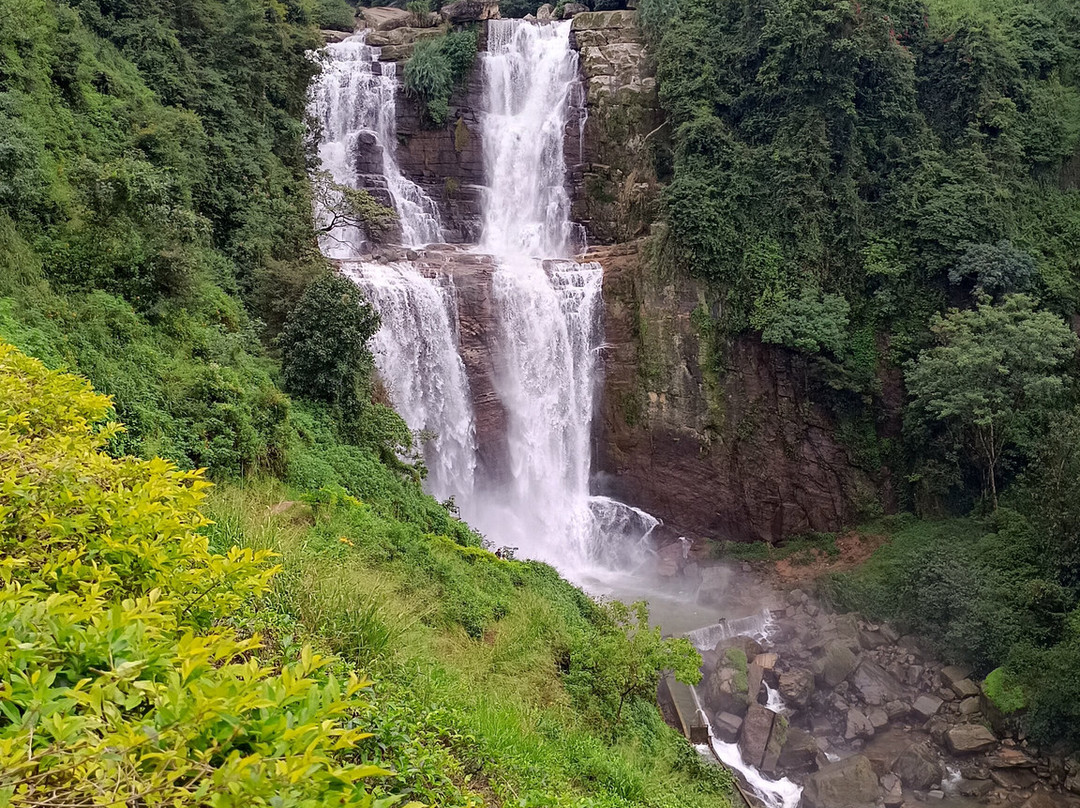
716, 438
615, 185
447, 162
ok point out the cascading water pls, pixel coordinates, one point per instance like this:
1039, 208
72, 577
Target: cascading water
547, 307
418, 332
356, 95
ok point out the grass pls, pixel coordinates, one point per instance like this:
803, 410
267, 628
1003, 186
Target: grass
800, 550
465, 650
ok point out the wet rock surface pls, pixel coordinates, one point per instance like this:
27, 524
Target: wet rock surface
870, 717
745, 455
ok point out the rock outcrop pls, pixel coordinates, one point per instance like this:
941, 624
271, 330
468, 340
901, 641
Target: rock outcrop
614, 182
716, 437
447, 161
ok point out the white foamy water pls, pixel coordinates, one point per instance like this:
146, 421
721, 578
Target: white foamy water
355, 96
416, 351
782, 793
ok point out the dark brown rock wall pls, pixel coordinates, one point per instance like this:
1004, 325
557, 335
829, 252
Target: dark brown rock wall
447, 162
718, 446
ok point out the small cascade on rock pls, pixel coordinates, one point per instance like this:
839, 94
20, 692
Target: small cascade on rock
416, 350
354, 100
418, 332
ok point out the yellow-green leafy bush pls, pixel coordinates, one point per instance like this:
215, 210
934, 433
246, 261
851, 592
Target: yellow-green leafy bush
114, 687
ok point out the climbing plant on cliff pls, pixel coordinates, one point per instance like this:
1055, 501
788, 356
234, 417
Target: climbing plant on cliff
436, 67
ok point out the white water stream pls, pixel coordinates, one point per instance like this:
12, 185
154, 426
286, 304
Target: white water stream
548, 311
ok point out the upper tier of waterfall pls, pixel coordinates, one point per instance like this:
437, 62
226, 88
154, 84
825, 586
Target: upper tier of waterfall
530, 73
354, 96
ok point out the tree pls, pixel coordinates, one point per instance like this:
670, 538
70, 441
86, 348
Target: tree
623, 660
325, 356
995, 367
995, 268
341, 206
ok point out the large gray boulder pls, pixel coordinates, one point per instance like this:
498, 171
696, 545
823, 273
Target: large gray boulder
875, 684
757, 729
383, 18
836, 663
967, 739
918, 767
463, 11
800, 751
797, 686
848, 783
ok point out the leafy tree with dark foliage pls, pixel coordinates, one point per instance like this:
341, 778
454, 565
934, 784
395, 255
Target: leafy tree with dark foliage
325, 356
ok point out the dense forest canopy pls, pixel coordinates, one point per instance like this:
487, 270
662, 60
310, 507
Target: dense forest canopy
890, 186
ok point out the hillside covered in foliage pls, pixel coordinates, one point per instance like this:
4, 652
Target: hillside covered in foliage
890, 189
313, 628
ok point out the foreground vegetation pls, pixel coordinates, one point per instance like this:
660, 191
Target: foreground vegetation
153, 654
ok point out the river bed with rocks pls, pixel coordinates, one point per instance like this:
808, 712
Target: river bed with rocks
854, 712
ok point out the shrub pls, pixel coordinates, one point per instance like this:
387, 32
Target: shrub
113, 693
324, 344
435, 68
1004, 691
622, 661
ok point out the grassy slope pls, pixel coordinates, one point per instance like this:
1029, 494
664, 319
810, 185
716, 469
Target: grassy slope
465, 649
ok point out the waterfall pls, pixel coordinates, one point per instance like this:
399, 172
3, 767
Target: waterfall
547, 306
548, 312
530, 73
355, 101
416, 351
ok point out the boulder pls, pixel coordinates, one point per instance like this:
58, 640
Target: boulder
725, 691
967, 739
965, 688
848, 783
951, 674
926, 706
918, 767
876, 685
754, 738
571, 10
1010, 758
896, 709
545, 13
800, 750
463, 11
727, 726
836, 663
970, 706
797, 686
858, 725
878, 718
384, 18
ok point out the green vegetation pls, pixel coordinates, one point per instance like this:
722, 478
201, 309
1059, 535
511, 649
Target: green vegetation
436, 67
154, 654
888, 189
1004, 692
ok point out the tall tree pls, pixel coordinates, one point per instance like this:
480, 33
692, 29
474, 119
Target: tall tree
994, 368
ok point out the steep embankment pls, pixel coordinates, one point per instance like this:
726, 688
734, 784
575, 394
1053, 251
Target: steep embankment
170, 655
